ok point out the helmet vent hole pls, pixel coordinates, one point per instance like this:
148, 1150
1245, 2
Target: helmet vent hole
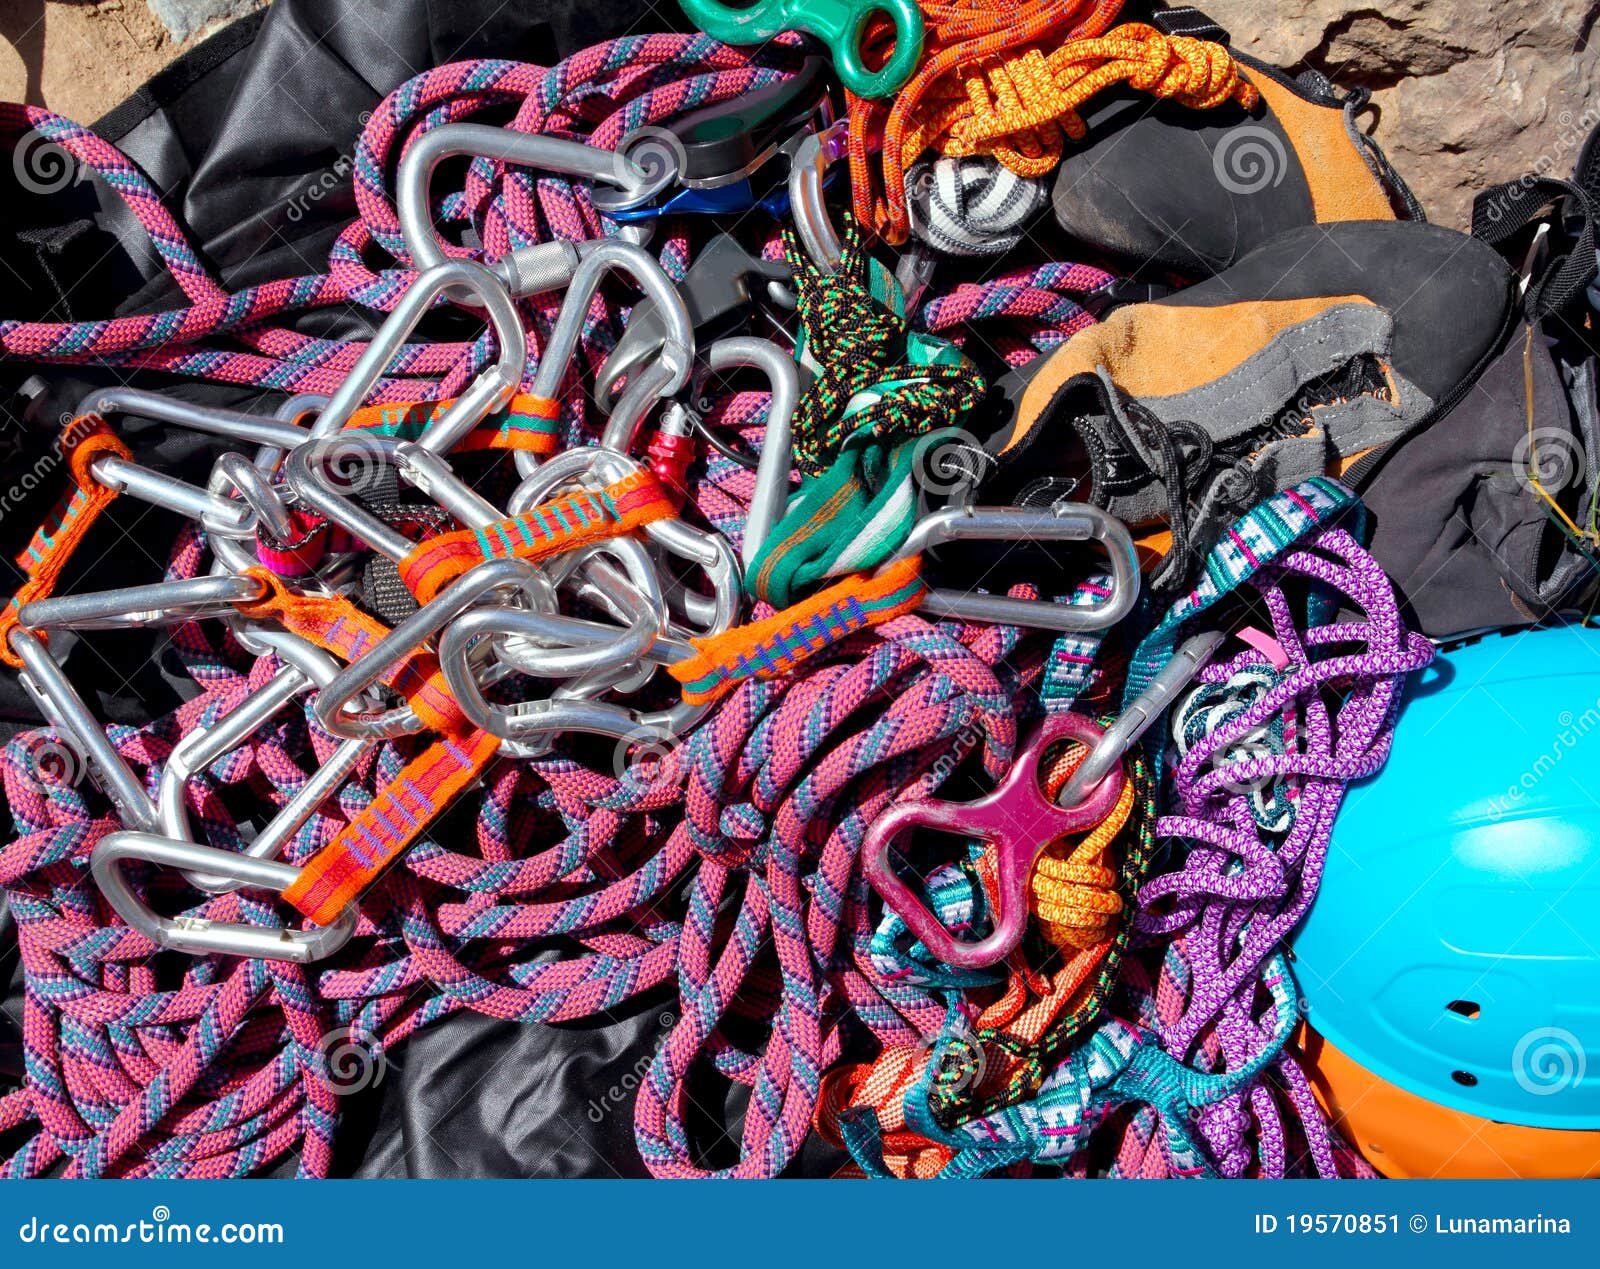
1466, 1008
1374, 1147
1464, 1078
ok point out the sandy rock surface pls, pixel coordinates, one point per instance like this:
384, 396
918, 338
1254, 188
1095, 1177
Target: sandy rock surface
81, 59
1469, 92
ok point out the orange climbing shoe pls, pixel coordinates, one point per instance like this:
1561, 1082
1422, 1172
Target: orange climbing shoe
1195, 191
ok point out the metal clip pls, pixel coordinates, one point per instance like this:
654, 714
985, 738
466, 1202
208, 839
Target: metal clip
307, 472
771, 496
236, 425
544, 266
710, 550
716, 297
159, 604
333, 703
217, 515
807, 195
73, 720
1065, 522
1124, 733
648, 384
196, 935
492, 388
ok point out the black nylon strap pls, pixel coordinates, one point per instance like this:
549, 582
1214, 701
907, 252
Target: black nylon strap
1187, 20
1500, 213
1586, 174
50, 245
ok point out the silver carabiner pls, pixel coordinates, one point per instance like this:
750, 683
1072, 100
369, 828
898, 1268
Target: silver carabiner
158, 604
565, 647
255, 491
332, 704
544, 266
630, 595
1119, 739
665, 377
434, 476
707, 549
771, 494
494, 385
235, 425
202, 747
199, 936
45, 681
307, 472
1065, 522
216, 515
321, 668
807, 197
529, 720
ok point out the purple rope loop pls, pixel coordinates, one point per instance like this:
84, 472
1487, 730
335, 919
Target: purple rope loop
1239, 890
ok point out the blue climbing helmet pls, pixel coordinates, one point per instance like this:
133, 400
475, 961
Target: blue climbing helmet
1453, 950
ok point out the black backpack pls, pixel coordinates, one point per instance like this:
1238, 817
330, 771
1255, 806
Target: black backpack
1487, 518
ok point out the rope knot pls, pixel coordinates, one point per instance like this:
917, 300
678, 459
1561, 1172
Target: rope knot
871, 384
1021, 109
1073, 890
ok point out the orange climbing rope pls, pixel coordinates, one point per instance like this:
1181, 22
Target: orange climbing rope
1008, 80
1072, 891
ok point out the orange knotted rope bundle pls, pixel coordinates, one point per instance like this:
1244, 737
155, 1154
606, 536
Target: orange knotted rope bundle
1008, 80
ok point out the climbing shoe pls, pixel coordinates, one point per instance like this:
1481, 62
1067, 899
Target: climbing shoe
1307, 358
1196, 191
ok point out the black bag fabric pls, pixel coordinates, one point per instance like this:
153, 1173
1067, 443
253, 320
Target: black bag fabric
1468, 517
238, 134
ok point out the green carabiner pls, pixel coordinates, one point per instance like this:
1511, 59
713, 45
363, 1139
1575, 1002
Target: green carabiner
840, 24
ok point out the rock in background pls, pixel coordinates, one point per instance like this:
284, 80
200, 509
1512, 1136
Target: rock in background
1469, 92
81, 59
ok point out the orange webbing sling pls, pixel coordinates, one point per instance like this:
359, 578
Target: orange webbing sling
336, 875
53, 543
562, 524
